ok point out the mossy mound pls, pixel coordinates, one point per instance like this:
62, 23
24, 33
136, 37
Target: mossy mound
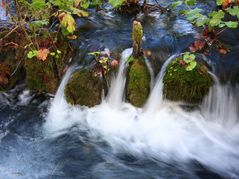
41, 76
84, 89
138, 83
44, 76
187, 86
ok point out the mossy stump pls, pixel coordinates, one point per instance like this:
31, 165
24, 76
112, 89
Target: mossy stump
138, 83
188, 86
84, 89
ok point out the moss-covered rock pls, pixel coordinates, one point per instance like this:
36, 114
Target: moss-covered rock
138, 82
187, 86
44, 76
84, 89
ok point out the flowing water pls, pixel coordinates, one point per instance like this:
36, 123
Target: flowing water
44, 137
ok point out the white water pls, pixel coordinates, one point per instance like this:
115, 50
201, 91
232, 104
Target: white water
116, 92
168, 133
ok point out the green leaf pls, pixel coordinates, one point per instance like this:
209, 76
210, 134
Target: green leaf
188, 57
193, 14
79, 12
216, 18
231, 24
69, 22
116, 3
52, 53
38, 4
85, 4
191, 65
234, 11
220, 2
201, 21
31, 54
94, 53
35, 25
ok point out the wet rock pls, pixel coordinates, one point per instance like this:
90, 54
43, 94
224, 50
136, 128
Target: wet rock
187, 86
138, 82
84, 88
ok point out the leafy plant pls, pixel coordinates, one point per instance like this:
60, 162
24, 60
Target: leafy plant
103, 60
189, 61
213, 23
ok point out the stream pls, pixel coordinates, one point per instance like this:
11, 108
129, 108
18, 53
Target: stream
41, 136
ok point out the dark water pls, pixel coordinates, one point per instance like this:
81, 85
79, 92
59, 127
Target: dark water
25, 151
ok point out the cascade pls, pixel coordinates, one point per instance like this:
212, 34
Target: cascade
161, 130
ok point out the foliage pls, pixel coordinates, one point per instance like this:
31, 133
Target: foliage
213, 19
103, 60
42, 54
116, 3
189, 60
214, 23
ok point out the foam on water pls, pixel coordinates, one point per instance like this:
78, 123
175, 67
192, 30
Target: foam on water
166, 133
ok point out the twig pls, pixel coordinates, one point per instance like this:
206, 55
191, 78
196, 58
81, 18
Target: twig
11, 31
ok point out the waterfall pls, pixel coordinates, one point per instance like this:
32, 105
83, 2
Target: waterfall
162, 130
221, 105
156, 96
117, 88
59, 111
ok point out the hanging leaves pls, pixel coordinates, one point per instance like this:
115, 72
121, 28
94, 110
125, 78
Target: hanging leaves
67, 22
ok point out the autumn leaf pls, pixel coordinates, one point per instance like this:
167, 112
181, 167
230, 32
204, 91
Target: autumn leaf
72, 37
42, 54
67, 21
226, 3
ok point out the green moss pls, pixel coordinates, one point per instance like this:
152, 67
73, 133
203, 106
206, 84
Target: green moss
83, 89
138, 83
41, 76
187, 86
137, 34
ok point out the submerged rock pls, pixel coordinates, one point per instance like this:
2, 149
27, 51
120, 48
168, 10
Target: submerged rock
188, 86
138, 82
84, 89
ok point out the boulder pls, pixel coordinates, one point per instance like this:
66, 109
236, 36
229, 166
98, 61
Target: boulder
188, 86
84, 88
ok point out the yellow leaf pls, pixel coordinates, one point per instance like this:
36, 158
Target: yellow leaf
72, 37
68, 21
